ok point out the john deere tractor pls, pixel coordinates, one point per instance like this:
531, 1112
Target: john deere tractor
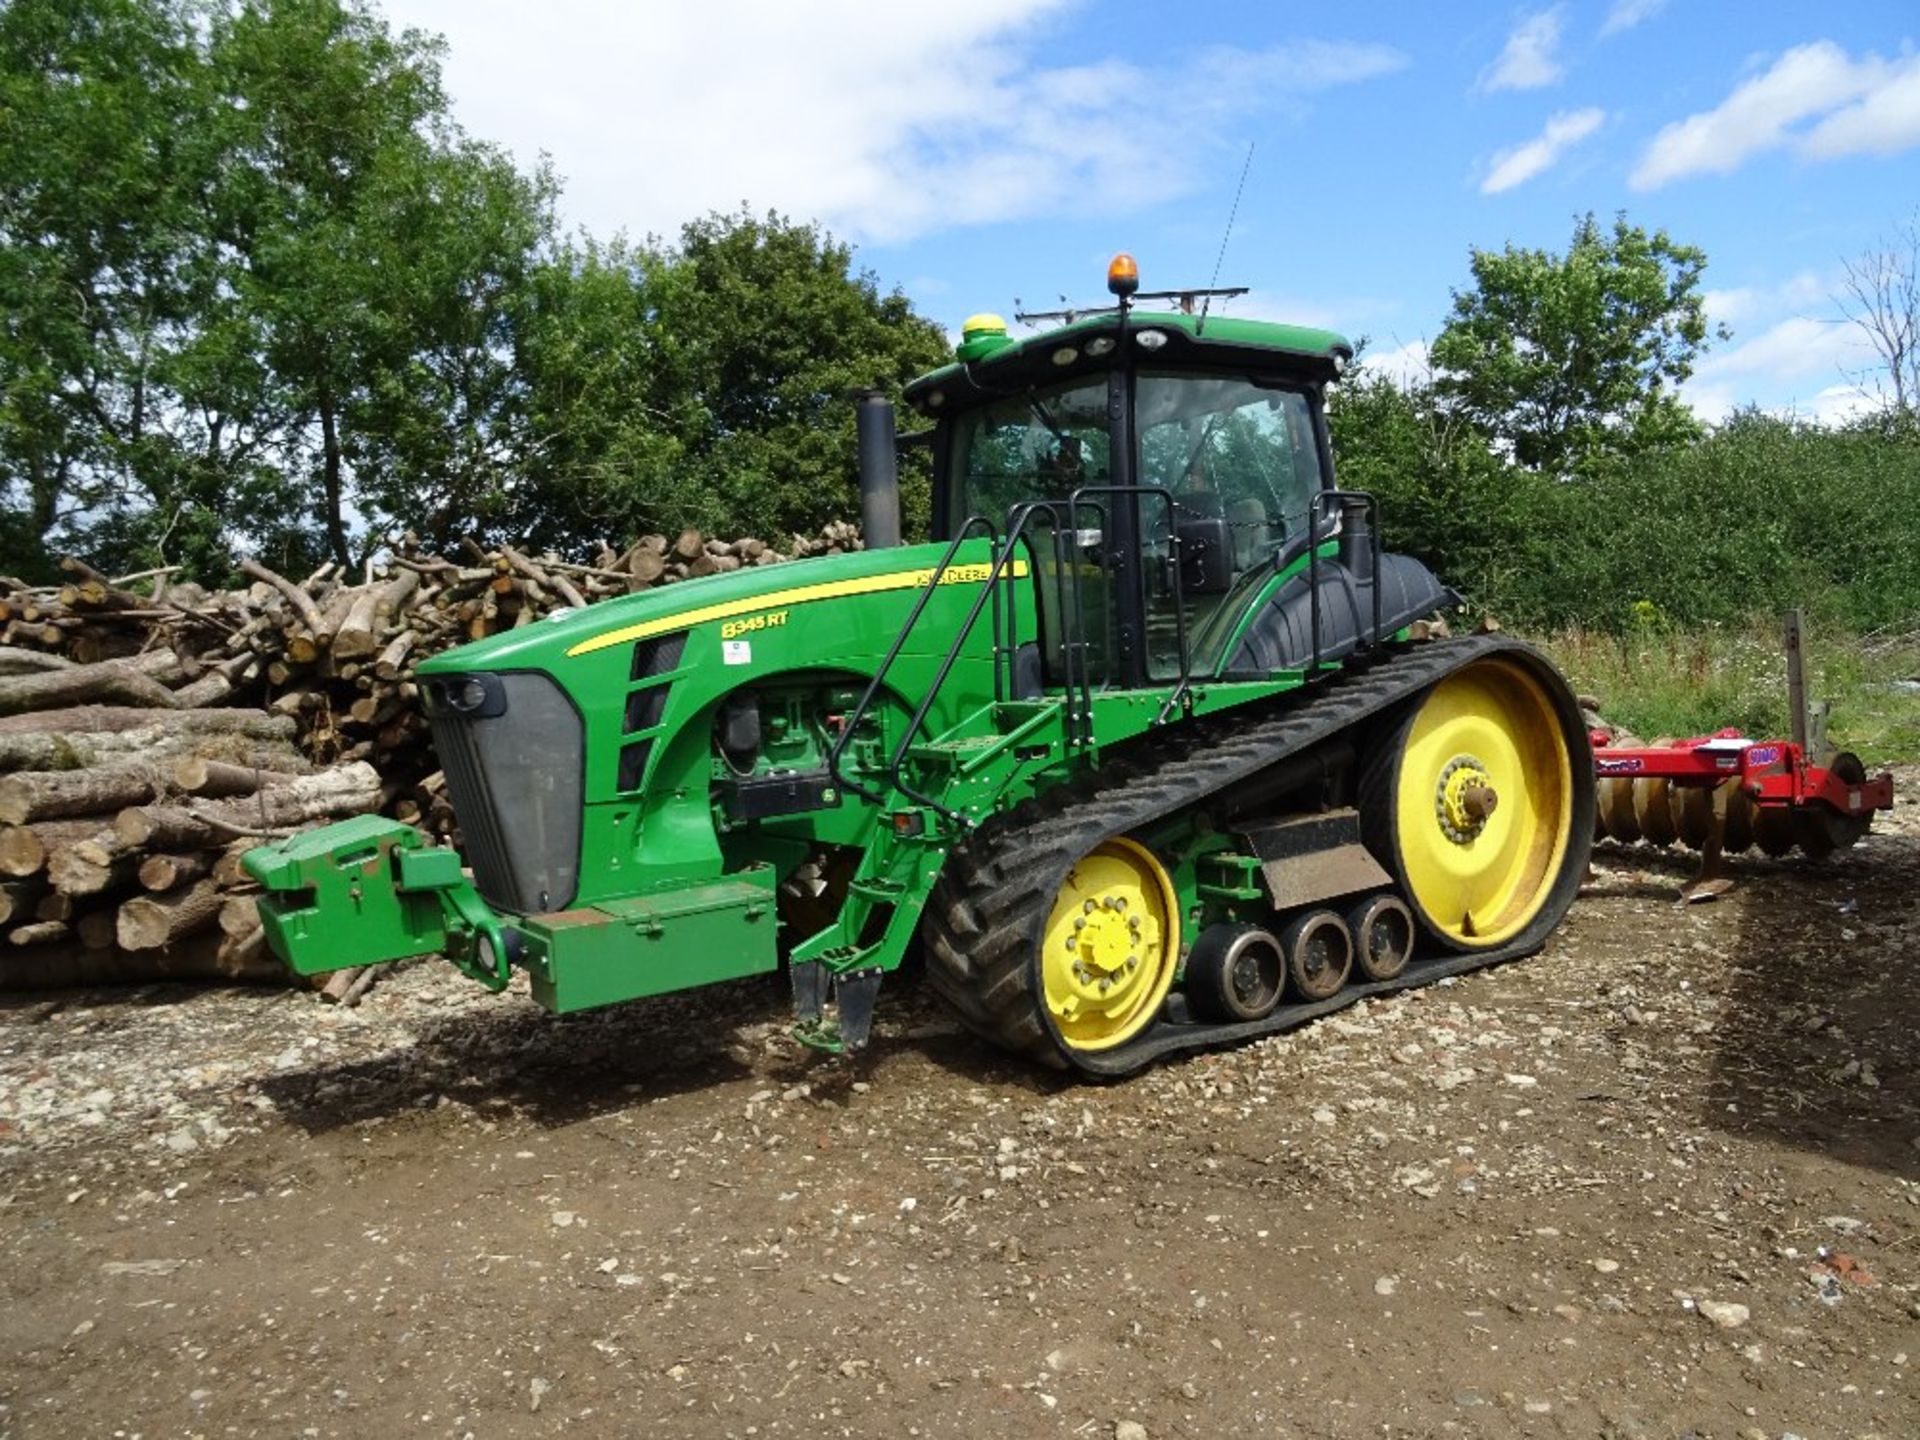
1139, 750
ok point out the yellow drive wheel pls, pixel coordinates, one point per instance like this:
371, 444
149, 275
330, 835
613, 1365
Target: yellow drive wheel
1110, 946
1480, 801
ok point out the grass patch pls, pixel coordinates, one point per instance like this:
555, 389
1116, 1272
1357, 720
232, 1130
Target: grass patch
1657, 681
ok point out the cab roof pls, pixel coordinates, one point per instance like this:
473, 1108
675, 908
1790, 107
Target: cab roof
1193, 341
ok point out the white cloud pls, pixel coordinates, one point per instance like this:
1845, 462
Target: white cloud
1782, 361
1884, 121
1523, 162
1626, 14
1869, 105
1406, 365
1790, 349
884, 122
1711, 402
1837, 404
1738, 304
1528, 61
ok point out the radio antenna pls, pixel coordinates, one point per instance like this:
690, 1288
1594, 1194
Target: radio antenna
1232, 215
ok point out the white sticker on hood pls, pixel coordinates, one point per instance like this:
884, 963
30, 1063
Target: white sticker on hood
737, 652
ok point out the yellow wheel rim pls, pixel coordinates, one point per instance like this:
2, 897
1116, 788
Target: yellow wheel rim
1484, 803
1111, 944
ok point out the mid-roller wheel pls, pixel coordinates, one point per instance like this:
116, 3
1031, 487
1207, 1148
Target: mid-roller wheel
1319, 954
1383, 936
1235, 973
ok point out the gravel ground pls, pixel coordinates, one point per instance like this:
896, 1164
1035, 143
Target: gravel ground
1661, 1180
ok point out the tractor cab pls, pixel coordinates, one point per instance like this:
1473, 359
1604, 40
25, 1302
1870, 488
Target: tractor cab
1166, 480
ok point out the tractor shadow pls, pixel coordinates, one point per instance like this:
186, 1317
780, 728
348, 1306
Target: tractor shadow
557, 1070
1818, 1045
552, 1070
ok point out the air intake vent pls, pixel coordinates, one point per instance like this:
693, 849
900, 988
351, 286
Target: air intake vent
658, 655
633, 764
644, 707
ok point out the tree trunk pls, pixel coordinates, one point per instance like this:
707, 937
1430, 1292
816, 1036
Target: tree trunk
17, 661
296, 595
239, 914
165, 827
165, 872
19, 897
84, 719
331, 477
215, 778
344, 790
40, 932
24, 848
214, 687
155, 921
49, 794
92, 867
108, 681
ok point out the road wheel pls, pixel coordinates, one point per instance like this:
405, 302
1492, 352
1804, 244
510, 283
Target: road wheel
1383, 936
1479, 801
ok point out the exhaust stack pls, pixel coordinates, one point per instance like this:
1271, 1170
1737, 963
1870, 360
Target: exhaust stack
879, 470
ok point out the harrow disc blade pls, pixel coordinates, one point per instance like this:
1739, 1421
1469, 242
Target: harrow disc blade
1653, 811
1691, 808
1740, 815
1653, 805
1773, 829
1615, 811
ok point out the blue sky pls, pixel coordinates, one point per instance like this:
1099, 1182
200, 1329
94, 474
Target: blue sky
1007, 148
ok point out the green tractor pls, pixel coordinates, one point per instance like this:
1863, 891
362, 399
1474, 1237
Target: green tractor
1139, 749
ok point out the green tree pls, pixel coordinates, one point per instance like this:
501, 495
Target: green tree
256, 285
382, 256
604, 423
766, 331
259, 292
102, 262
707, 382
1566, 358
1445, 497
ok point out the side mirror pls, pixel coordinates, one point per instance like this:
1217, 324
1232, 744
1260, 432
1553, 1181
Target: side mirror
1205, 555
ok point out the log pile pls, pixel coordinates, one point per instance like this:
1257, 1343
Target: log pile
121, 832
152, 730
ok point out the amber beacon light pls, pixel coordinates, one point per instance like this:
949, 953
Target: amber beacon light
1123, 276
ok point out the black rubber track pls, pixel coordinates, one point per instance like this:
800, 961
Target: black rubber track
982, 926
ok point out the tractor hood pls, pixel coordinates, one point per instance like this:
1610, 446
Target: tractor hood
733, 597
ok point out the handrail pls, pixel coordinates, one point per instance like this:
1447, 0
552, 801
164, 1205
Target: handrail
1017, 521
1320, 499
1077, 677
859, 711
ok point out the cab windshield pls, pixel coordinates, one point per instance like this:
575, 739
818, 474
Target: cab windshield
1227, 446
1230, 447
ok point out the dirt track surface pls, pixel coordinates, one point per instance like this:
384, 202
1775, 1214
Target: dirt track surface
1525, 1203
